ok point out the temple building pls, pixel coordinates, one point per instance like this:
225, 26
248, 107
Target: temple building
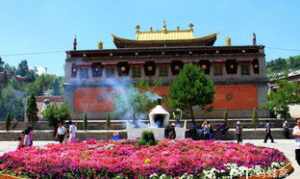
237, 71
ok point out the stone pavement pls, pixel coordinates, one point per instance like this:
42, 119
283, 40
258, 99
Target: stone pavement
286, 146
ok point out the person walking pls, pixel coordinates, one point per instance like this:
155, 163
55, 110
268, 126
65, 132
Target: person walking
286, 130
72, 132
268, 132
61, 132
296, 134
238, 132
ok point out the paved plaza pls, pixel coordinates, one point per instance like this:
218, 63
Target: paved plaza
286, 146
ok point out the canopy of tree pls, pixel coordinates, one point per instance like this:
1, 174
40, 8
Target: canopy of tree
13, 92
282, 65
286, 93
191, 88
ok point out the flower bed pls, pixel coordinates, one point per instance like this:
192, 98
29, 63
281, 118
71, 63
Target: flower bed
180, 158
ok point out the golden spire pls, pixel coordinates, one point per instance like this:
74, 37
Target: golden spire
228, 41
100, 45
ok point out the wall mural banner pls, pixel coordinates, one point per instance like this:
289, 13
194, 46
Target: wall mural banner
235, 97
232, 97
93, 100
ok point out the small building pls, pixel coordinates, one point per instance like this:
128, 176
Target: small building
43, 101
238, 71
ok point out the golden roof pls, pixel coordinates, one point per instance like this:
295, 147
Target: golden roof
165, 38
165, 35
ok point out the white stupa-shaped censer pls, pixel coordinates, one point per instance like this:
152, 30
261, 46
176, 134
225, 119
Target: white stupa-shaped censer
158, 120
294, 110
159, 117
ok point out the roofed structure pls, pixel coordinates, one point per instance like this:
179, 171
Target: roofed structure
164, 38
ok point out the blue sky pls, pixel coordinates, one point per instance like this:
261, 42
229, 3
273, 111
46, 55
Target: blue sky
48, 26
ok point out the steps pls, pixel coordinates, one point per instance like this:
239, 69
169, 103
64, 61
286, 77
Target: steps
107, 134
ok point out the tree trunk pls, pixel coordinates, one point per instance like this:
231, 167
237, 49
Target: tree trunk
192, 115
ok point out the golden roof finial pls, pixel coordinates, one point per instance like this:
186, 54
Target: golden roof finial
228, 41
137, 28
191, 25
100, 45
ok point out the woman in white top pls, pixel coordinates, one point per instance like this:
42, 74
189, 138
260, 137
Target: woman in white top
296, 133
72, 132
61, 132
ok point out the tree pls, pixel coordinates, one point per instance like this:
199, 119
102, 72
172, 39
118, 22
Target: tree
1, 65
11, 100
32, 110
108, 121
41, 84
191, 87
85, 121
56, 87
286, 93
226, 117
55, 114
22, 69
8, 120
254, 118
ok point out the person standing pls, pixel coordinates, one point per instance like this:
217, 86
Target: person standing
116, 136
61, 132
296, 134
72, 132
286, 130
268, 132
21, 140
28, 139
238, 132
170, 132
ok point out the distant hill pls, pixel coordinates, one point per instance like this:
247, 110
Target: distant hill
282, 65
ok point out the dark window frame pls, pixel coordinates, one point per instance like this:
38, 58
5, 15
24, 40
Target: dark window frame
220, 66
163, 70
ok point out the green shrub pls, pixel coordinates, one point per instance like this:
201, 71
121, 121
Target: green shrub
8, 120
226, 117
147, 138
85, 121
254, 118
108, 121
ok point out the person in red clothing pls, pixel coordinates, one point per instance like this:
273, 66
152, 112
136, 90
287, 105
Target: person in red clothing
21, 140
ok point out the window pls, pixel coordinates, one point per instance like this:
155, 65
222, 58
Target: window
245, 69
123, 69
136, 71
163, 70
255, 66
97, 69
205, 66
74, 71
110, 71
231, 67
218, 69
84, 73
